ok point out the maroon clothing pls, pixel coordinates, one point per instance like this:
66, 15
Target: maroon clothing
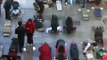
30, 27
45, 52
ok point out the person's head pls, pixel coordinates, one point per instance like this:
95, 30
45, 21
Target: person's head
20, 23
29, 20
61, 49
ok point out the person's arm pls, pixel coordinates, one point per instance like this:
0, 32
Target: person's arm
56, 52
16, 31
65, 53
86, 48
34, 26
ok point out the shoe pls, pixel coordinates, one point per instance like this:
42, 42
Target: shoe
24, 49
34, 48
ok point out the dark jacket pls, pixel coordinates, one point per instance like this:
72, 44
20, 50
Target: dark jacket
45, 52
7, 4
74, 52
54, 23
41, 6
21, 31
69, 24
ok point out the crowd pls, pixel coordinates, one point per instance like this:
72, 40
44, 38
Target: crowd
31, 26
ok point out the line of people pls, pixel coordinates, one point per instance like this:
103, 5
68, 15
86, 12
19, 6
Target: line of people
55, 27
61, 51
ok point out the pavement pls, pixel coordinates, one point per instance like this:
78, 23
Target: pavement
82, 32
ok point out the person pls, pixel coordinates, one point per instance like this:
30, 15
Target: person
0, 6
20, 31
41, 6
61, 57
60, 42
39, 23
87, 45
7, 7
60, 50
74, 52
30, 27
69, 24
45, 52
54, 25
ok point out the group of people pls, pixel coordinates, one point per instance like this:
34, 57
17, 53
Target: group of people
22, 30
8, 7
90, 45
61, 51
55, 27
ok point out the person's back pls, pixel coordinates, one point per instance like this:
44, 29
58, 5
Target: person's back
61, 57
30, 26
54, 23
7, 4
69, 24
20, 30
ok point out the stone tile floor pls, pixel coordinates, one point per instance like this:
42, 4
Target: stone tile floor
82, 32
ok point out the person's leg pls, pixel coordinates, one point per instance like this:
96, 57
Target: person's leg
8, 14
21, 45
48, 29
20, 49
28, 38
31, 36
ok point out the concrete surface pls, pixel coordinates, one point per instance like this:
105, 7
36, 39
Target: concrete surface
82, 32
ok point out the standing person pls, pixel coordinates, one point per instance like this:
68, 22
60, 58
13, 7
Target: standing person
30, 26
7, 7
0, 6
20, 31
41, 6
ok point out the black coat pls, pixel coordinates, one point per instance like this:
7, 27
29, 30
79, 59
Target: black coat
69, 24
7, 4
54, 23
21, 31
41, 6
74, 52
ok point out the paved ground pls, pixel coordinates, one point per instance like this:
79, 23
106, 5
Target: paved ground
82, 32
